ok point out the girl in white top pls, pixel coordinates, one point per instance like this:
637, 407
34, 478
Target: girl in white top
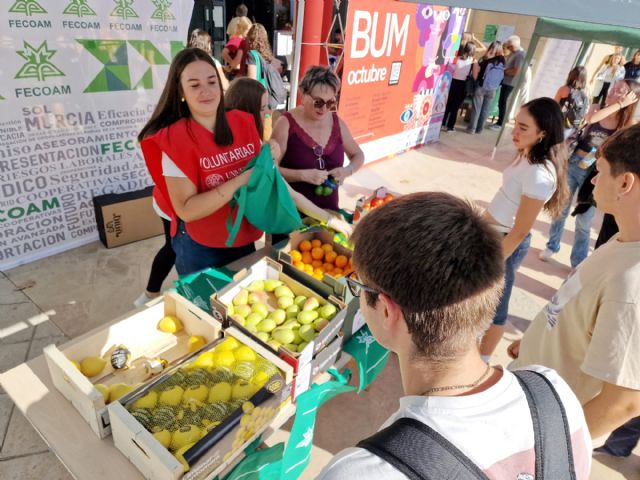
457, 91
609, 74
535, 181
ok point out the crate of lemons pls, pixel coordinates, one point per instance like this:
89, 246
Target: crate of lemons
273, 313
195, 399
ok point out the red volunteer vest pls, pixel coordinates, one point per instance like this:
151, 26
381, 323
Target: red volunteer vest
193, 149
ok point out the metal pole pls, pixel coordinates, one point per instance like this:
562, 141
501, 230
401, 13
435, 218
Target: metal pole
297, 49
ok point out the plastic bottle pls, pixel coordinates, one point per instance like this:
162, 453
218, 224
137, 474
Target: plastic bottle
586, 161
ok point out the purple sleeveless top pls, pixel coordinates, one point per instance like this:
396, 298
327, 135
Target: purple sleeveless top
300, 155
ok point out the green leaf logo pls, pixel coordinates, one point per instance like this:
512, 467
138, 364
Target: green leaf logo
38, 65
28, 7
79, 8
124, 10
162, 11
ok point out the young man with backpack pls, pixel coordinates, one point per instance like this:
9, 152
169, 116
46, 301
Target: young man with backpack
429, 276
489, 73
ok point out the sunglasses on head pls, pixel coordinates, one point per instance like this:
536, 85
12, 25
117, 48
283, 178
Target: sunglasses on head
320, 103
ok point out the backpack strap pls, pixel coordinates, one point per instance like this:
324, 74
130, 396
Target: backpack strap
421, 453
554, 453
259, 74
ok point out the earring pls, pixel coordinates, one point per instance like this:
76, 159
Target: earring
182, 99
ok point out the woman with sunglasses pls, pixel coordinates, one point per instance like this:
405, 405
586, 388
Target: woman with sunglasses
314, 141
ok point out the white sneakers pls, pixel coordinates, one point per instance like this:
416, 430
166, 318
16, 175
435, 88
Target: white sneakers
143, 299
546, 254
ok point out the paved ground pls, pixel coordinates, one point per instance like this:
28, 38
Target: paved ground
61, 297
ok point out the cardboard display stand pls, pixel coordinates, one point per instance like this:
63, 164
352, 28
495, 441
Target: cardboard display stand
126, 217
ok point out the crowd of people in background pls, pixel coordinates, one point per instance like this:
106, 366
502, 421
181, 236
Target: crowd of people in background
445, 327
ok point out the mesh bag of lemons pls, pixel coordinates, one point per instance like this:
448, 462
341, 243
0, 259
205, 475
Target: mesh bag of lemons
198, 397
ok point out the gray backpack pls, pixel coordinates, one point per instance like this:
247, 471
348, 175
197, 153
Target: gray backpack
421, 453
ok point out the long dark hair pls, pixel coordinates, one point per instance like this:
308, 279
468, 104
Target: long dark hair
548, 117
245, 94
171, 108
577, 78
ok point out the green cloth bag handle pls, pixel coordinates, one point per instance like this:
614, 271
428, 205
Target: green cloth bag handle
259, 76
241, 203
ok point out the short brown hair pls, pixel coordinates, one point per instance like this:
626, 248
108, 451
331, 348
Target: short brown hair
318, 75
620, 150
435, 256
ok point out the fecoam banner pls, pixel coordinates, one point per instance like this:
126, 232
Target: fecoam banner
78, 79
397, 72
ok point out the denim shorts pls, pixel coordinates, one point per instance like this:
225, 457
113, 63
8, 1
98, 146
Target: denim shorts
192, 256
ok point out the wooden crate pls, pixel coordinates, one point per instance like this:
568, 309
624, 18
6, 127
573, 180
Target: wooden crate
156, 462
139, 333
267, 268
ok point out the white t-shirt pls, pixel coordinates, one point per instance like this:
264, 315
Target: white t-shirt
493, 428
463, 67
521, 178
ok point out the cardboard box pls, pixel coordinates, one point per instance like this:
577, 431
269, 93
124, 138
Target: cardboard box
220, 445
364, 204
139, 333
126, 217
267, 268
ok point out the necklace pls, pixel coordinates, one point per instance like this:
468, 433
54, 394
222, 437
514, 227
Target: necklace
318, 151
458, 387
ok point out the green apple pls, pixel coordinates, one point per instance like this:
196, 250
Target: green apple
241, 298
256, 286
327, 311
242, 310
302, 346
239, 318
310, 304
292, 347
307, 332
253, 320
266, 325
299, 300
285, 302
264, 336
274, 344
292, 323
278, 316
271, 285
257, 297
283, 291
283, 335
320, 323
260, 308
307, 316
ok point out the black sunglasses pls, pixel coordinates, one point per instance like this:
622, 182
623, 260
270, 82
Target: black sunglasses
320, 103
355, 287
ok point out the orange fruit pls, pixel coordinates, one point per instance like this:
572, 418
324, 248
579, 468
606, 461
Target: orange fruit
316, 263
299, 265
327, 247
316, 243
328, 267
295, 255
317, 276
347, 270
317, 253
305, 246
308, 269
330, 257
337, 272
306, 257
318, 271
341, 261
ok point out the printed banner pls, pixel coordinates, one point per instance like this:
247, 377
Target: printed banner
78, 79
397, 73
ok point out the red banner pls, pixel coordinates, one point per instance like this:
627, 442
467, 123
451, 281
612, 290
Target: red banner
397, 72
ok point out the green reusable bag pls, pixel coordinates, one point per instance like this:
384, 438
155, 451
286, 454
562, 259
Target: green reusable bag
370, 356
198, 287
264, 201
298, 451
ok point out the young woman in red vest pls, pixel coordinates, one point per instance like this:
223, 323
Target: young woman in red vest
195, 152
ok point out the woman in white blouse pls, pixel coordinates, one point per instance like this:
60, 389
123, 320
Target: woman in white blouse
535, 181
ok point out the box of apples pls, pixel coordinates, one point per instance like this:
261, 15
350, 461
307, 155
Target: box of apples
286, 316
364, 205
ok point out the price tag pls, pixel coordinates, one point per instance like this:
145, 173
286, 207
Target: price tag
303, 379
307, 354
358, 322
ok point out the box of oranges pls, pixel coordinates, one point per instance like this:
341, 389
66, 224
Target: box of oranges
315, 254
364, 205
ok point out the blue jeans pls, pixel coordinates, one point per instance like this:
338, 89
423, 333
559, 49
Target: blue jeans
623, 440
193, 257
481, 102
580, 249
510, 268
